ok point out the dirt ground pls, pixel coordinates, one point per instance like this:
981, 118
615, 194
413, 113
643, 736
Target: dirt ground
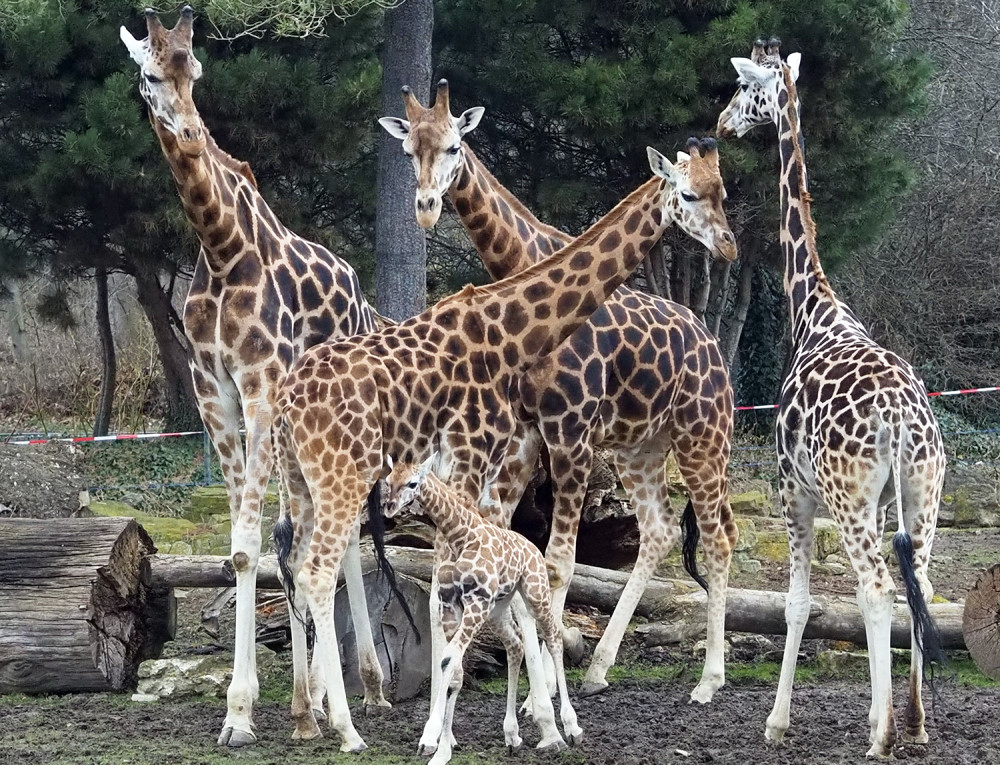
644, 717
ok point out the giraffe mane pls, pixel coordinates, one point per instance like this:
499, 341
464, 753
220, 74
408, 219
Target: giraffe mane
806, 199
585, 239
516, 205
238, 166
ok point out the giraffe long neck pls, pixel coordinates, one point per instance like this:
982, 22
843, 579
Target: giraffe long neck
450, 515
507, 235
805, 282
220, 200
541, 306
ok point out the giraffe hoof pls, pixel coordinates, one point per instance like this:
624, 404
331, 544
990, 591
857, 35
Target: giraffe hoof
353, 747
590, 688
319, 715
555, 745
573, 646
879, 753
235, 738
306, 730
426, 750
575, 738
378, 709
919, 737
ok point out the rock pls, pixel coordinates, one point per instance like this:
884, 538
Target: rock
754, 502
827, 538
745, 564
842, 662
40, 481
771, 544
748, 534
208, 501
971, 495
144, 697
181, 677
835, 569
701, 647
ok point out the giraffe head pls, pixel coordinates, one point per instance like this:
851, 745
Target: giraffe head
760, 80
432, 139
695, 193
168, 72
403, 485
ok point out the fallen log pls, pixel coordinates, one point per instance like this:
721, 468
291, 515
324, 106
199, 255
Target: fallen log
981, 622
678, 605
763, 612
78, 611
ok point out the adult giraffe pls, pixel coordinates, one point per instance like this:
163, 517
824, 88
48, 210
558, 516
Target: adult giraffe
260, 296
444, 381
642, 378
854, 428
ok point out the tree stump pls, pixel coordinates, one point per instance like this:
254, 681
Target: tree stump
77, 612
981, 622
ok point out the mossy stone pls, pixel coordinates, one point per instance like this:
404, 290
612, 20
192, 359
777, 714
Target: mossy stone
750, 503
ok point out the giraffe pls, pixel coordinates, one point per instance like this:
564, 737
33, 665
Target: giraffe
642, 378
442, 380
854, 429
486, 565
260, 296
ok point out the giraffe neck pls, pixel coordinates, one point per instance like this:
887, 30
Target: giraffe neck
220, 199
536, 309
452, 517
809, 292
507, 235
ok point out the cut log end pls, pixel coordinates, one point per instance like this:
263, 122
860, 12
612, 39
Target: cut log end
981, 622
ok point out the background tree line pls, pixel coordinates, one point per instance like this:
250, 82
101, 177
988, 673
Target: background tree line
574, 91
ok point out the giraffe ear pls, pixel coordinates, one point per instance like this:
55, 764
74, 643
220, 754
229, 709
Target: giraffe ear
425, 469
793, 61
396, 127
137, 49
661, 166
467, 121
683, 156
749, 71
387, 465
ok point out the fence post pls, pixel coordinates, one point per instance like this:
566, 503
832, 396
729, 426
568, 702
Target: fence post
207, 451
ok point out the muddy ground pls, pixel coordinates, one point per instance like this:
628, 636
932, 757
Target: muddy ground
643, 717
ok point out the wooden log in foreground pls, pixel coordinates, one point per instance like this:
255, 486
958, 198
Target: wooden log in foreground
77, 609
677, 604
981, 622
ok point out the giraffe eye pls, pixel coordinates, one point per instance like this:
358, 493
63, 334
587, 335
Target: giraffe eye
411, 485
152, 79
744, 86
453, 150
689, 197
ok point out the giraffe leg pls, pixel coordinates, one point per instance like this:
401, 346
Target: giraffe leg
644, 477
541, 703
506, 630
307, 694
460, 625
317, 687
318, 577
800, 513
704, 471
921, 498
442, 567
245, 554
369, 667
552, 634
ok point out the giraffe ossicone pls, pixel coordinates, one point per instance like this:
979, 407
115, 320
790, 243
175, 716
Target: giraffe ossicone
854, 430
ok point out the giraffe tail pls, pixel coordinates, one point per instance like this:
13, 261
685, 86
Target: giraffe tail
376, 527
926, 636
692, 534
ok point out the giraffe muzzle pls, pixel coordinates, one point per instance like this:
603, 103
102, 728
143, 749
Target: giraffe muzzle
191, 139
428, 210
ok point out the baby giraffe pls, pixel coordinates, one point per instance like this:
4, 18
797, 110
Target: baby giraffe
484, 567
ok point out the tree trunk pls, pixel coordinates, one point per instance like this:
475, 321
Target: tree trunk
77, 612
700, 303
719, 296
106, 399
17, 327
681, 279
657, 275
182, 409
400, 244
743, 295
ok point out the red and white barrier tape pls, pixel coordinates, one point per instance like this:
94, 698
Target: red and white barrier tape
91, 439
137, 436
960, 392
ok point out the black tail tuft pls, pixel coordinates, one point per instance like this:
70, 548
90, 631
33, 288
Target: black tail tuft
376, 527
690, 545
925, 631
283, 535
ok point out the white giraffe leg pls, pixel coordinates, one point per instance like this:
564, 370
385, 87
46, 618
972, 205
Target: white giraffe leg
320, 583
317, 686
553, 640
245, 554
506, 630
799, 517
368, 663
645, 481
541, 703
